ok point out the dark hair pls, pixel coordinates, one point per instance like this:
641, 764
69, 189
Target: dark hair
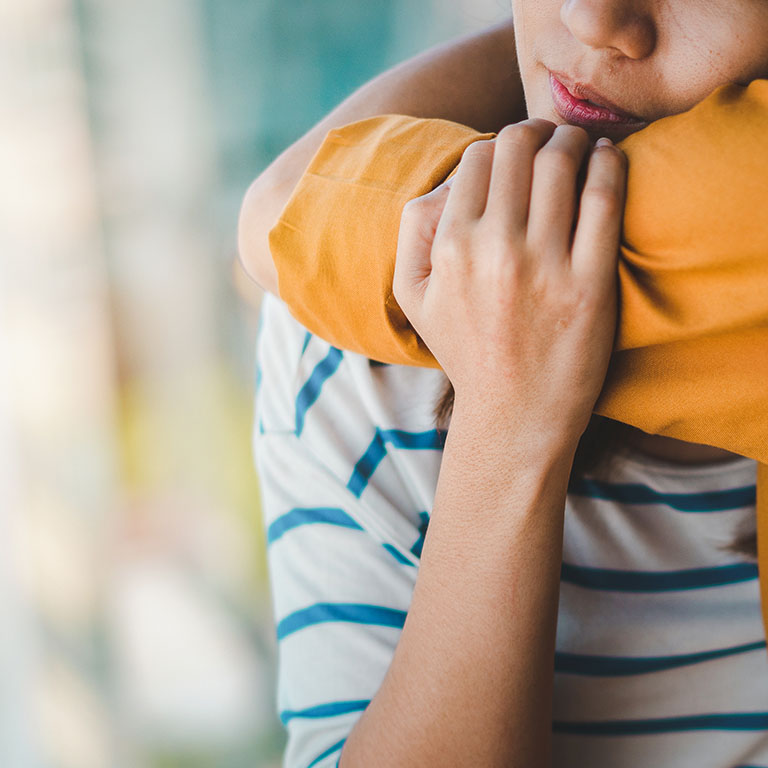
598, 443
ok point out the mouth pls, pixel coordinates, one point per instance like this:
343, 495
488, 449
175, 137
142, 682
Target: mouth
580, 105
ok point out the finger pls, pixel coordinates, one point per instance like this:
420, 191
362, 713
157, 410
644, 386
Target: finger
469, 187
431, 206
510, 187
413, 265
598, 229
554, 192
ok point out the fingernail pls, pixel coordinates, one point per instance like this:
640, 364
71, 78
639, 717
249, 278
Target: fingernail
604, 142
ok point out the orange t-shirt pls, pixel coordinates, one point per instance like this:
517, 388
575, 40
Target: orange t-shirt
690, 358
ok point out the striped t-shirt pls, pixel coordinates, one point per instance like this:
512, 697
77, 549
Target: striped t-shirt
660, 651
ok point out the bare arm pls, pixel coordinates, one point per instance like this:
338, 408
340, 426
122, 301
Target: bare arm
523, 323
471, 681
473, 80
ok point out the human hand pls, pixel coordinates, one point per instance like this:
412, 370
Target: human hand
517, 305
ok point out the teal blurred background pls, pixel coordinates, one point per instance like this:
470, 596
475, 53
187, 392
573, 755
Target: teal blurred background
135, 618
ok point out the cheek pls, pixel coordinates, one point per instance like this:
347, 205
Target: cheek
711, 44
747, 49
536, 24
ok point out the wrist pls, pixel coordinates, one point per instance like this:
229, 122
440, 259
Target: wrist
496, 424
502, 466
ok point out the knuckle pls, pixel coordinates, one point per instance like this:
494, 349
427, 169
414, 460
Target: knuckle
414, 211
414, 206
603, 197
451, 246
448, 231
522, 134
514, 268
501, 249
498, 232
557, 158
456, 255
478, 150
612, 155
573, 132
542, 247
589, 299
513, 275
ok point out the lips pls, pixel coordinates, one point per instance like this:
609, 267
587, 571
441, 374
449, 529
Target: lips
580, 105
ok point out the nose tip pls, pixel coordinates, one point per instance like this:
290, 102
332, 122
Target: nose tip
612, 24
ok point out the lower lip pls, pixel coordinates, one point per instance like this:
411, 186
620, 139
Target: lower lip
579, 112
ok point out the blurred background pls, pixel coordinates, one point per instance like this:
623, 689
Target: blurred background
135, 618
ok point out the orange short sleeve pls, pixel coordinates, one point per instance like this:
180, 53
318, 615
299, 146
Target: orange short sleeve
691, 352
334, 245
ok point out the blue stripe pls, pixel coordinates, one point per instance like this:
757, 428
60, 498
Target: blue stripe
333, 516
432, 439
307, 339
325, 710
419, 543
367, 463
310, 391
402, 559
635, 493
338, 745
356, 613
612, 666
737, 721
656, 581
306, 515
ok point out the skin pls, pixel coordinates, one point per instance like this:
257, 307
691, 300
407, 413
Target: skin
522, 319
652, 58
519, 313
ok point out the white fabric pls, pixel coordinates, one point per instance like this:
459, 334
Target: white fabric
359, 543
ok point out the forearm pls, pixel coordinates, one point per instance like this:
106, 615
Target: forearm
472, 676
473, 80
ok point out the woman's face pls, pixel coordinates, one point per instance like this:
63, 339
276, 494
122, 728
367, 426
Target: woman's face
646, 58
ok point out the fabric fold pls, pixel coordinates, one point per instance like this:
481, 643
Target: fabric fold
690, 359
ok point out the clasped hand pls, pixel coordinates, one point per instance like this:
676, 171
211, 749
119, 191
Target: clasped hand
508, 272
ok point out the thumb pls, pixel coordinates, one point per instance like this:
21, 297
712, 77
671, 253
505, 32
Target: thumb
413, 265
